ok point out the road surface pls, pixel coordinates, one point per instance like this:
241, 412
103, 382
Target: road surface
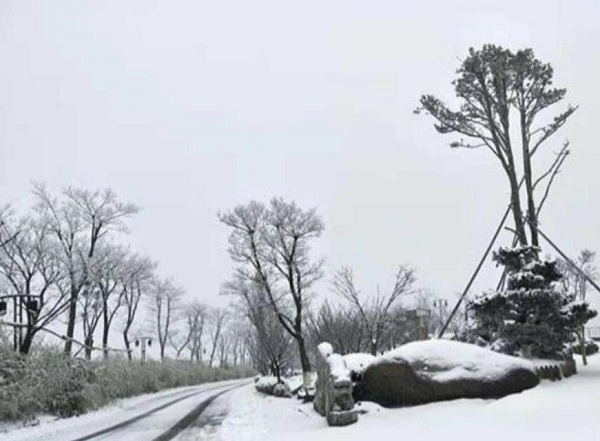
184, 414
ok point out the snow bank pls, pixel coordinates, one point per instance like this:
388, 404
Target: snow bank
358, 362
443, 360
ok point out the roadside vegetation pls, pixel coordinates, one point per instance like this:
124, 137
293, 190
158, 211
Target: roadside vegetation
47, 382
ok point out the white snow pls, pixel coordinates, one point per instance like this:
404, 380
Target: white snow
266, 381
325, 349
338, 368
445, 360
358, 362
553, 411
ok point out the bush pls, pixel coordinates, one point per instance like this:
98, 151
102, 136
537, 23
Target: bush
591, 347
533, 316
47, 382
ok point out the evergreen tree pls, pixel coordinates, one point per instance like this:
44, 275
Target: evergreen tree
534, 315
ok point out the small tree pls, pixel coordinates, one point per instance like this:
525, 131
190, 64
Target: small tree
135, 283
375, 313
216, 320
269, 344
342, 326
533, 316
165, 298
573, 281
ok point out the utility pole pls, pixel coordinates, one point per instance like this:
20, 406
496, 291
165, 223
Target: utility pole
441, 304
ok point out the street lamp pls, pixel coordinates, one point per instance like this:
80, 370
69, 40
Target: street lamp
31, 306
143, 341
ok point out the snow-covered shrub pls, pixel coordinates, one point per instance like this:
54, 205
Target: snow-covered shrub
591, 347
46, 381
533, 316
270, 385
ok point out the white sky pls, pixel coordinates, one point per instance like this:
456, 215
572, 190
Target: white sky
188, 107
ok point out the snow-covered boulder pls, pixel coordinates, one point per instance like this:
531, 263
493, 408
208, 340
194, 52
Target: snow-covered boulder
265, 385
437, 370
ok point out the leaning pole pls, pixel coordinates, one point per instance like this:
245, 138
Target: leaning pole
474, 276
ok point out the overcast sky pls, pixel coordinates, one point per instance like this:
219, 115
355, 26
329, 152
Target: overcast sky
188, 107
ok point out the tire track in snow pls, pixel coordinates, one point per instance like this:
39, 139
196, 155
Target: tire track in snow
193, 415
143, 415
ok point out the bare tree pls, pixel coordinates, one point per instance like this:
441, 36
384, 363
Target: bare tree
342, 326
271, 247
165, 298
216, 321
574, 282
190, 329
111, 275
135, 283
196, 317
236, 342
375, 313
268, 343
90, 300
79, 221
29, 268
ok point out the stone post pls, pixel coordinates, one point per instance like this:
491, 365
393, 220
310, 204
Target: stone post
333, 396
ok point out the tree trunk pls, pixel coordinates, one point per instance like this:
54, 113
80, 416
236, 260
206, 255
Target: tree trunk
305, 362
105, 329
27, 341
516, 209
127, 344
89, 342
528, 175
71, 322
582, 340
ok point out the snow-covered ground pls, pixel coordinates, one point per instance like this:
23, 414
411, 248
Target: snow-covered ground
552, 411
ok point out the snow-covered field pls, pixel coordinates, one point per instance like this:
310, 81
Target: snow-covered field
568, 409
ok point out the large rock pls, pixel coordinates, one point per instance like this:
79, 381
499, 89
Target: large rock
424, 372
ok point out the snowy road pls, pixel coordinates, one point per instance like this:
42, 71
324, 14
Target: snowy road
181, 414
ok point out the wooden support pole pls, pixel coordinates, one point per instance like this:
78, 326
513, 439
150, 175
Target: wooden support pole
474, 276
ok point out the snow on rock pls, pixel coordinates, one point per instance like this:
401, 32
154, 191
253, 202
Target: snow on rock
339, 372
443, 360
358, 362
266, 382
